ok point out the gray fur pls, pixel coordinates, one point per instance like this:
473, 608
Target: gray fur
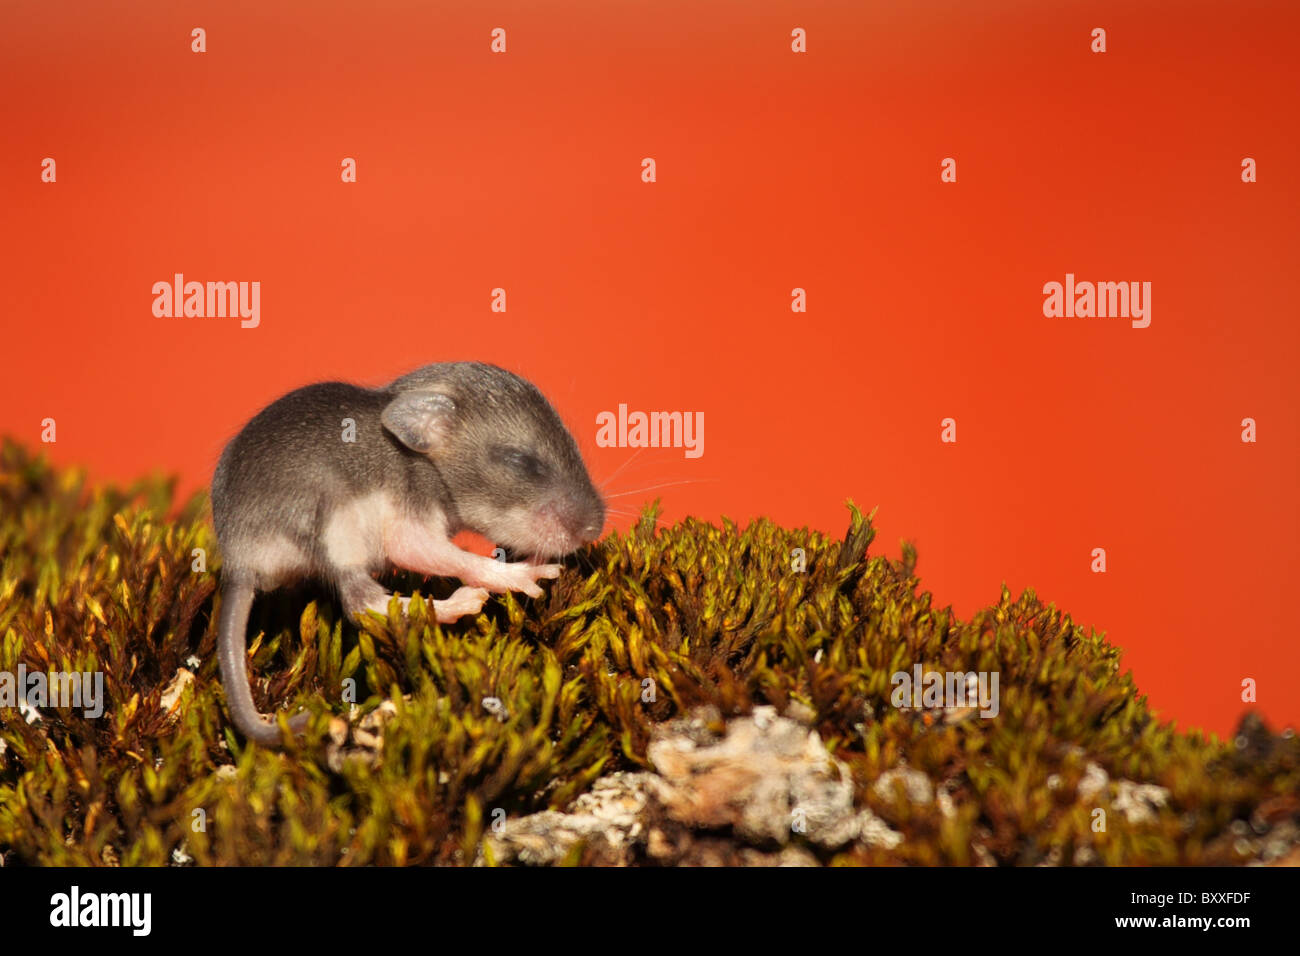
448, 447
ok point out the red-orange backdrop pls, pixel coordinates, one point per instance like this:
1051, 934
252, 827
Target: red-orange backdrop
776, 170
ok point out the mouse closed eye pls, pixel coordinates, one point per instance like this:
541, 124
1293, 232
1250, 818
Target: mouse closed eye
448, 447
525, 464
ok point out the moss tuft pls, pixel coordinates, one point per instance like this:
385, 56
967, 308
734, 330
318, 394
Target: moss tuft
641, 628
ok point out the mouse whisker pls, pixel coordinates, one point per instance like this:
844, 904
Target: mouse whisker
666, 484
631, 458
639, 466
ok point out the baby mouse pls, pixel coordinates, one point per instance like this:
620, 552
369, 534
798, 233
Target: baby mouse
339, 482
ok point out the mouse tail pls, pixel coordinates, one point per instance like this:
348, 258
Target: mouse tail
232, 653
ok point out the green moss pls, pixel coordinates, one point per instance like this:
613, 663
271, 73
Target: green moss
102, 580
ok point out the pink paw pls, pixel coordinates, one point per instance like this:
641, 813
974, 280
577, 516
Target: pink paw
522, 576
463, 602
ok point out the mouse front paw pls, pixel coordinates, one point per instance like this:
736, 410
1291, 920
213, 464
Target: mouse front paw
462, 603
522, 576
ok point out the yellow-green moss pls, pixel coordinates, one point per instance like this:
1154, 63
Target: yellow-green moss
103, 580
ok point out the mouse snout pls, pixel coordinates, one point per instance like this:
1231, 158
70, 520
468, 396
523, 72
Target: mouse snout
583, 517
591, 518
592, 524
571, 520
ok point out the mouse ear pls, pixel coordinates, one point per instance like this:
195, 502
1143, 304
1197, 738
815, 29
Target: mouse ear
420, 420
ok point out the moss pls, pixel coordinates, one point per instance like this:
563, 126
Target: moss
103, 580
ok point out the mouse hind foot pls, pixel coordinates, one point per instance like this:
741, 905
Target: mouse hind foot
360, 592
464, 602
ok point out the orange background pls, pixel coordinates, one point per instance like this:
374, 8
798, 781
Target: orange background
776, 170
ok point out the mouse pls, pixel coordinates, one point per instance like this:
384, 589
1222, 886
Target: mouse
336, 482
